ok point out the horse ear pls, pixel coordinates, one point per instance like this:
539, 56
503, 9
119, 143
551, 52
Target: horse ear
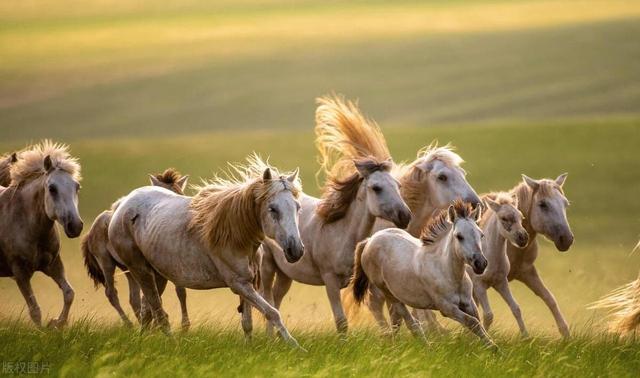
154, 180
48, 164
266, 176
493, 205
477, 213
425, 166
182, 182
294, 176
451, 214
560, 180
14, 157
533, 184
361, 167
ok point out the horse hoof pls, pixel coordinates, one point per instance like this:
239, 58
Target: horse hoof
56, 324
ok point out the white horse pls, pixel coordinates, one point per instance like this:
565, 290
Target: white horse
501, 224
426, 273
359, 189
210, 240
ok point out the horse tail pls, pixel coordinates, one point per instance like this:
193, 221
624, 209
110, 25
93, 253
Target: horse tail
90, 262
359, 281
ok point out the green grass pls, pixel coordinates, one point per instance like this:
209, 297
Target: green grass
89, 349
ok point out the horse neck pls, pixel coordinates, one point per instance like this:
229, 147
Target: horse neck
525, 205
358, 220
451, 261
420, 206
29, 201
494, 240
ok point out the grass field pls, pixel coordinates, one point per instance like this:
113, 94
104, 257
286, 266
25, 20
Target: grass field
535, 87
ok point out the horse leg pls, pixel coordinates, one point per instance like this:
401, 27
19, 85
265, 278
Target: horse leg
412, 323
376, 306
532, 279
23, 279
280, 289
428, 318
480, 293
268, 270
134, 296
55, 270
161, 283
146, 278
110, 291
247, 318
454, 312
332, 286
181, 292
248, 292
505, 292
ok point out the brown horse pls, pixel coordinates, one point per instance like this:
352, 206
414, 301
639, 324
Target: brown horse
44, 190
101, 261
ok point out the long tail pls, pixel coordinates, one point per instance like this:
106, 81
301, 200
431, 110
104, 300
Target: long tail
90, 262
359, 281
624, 304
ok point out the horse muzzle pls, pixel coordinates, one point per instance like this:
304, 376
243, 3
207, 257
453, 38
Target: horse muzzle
73, 227
522, 239
479, 264
564, 242
293, 250
402, 218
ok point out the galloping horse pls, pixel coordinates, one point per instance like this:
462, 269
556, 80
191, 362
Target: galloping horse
425, 273
209, 240
43, 190
101, 261
359, 189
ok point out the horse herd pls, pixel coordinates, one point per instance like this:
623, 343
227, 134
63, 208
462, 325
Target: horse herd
413, 234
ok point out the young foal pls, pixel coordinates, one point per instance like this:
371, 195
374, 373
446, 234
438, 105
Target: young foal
359, 189
543, 205
210, 240
428, 273
101, 261
501, 224
44, 190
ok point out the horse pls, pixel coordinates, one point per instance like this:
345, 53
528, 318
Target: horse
45, 181
359, 189
624, 305
501, 224
101, 261
210, 240
425, 273
428, 184
544, 207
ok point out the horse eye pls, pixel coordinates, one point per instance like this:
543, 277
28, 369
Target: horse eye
504, 219
543, 205
53, 189
459, 237
442, 178
273, 210
376, 189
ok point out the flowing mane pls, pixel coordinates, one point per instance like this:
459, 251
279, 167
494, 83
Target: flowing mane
170, 176
410, 176
30, 165
440, 225
226, 211
344, 136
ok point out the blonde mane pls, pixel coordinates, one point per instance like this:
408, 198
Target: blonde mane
409, 175
6, 161
30, 165
344, 134
440, 225
226, 211
344, 137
